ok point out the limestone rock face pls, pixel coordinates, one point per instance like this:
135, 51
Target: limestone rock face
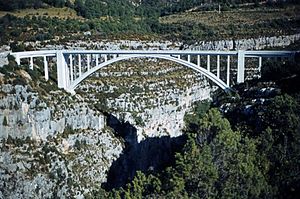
52, 146
156, 106
61, 167
246, 44
241, 44
23, 114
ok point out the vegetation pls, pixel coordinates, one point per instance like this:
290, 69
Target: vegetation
20, 4
164, 19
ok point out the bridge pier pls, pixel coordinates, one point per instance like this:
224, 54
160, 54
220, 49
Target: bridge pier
208, 63
218, 66
79, 64
46, 73
228, 71
198, 61
18, 60
31, 63
61, 70
88, 61
71, 66
97, 59
259, 64
241, 67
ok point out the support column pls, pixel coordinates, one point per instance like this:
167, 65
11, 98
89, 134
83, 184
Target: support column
97, 59
88, 61
71, 67
79, 64
228, 70
259, 64
241, 67
18, 60
115, 56
218, 66
189, 58
208, 63
198, 60
105, 58
178, 56
31, 63
61, 70
46, 73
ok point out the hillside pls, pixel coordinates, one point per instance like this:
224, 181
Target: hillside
61, 13
143, 22
240, 23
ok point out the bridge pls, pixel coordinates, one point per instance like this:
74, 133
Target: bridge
73, 66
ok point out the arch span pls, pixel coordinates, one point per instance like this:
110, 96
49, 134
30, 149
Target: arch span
193, 66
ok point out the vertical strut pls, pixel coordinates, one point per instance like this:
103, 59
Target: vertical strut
259, 64
228, 70
62, 73
31, 63
218, 66
46, 73
71, 67
208, 63
241, 67
198, 60
79, 64
88, 61
97, 59
18, 60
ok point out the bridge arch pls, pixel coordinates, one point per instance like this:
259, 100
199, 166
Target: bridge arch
73, 85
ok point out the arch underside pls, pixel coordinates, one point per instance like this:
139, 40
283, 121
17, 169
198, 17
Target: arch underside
193, 66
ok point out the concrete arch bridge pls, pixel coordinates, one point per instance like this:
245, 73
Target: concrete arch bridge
73, 66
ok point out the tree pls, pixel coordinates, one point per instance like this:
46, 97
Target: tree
280, 143
79, 7
217, 162
5, 123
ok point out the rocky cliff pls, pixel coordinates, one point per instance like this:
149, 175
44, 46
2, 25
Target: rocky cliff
55, 145
147, 94
241, 44
25, 114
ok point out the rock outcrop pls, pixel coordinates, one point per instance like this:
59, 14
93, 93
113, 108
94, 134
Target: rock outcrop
23, 114
152, 98
246, 44
52, 146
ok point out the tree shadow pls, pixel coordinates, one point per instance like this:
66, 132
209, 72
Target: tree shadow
149, 156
